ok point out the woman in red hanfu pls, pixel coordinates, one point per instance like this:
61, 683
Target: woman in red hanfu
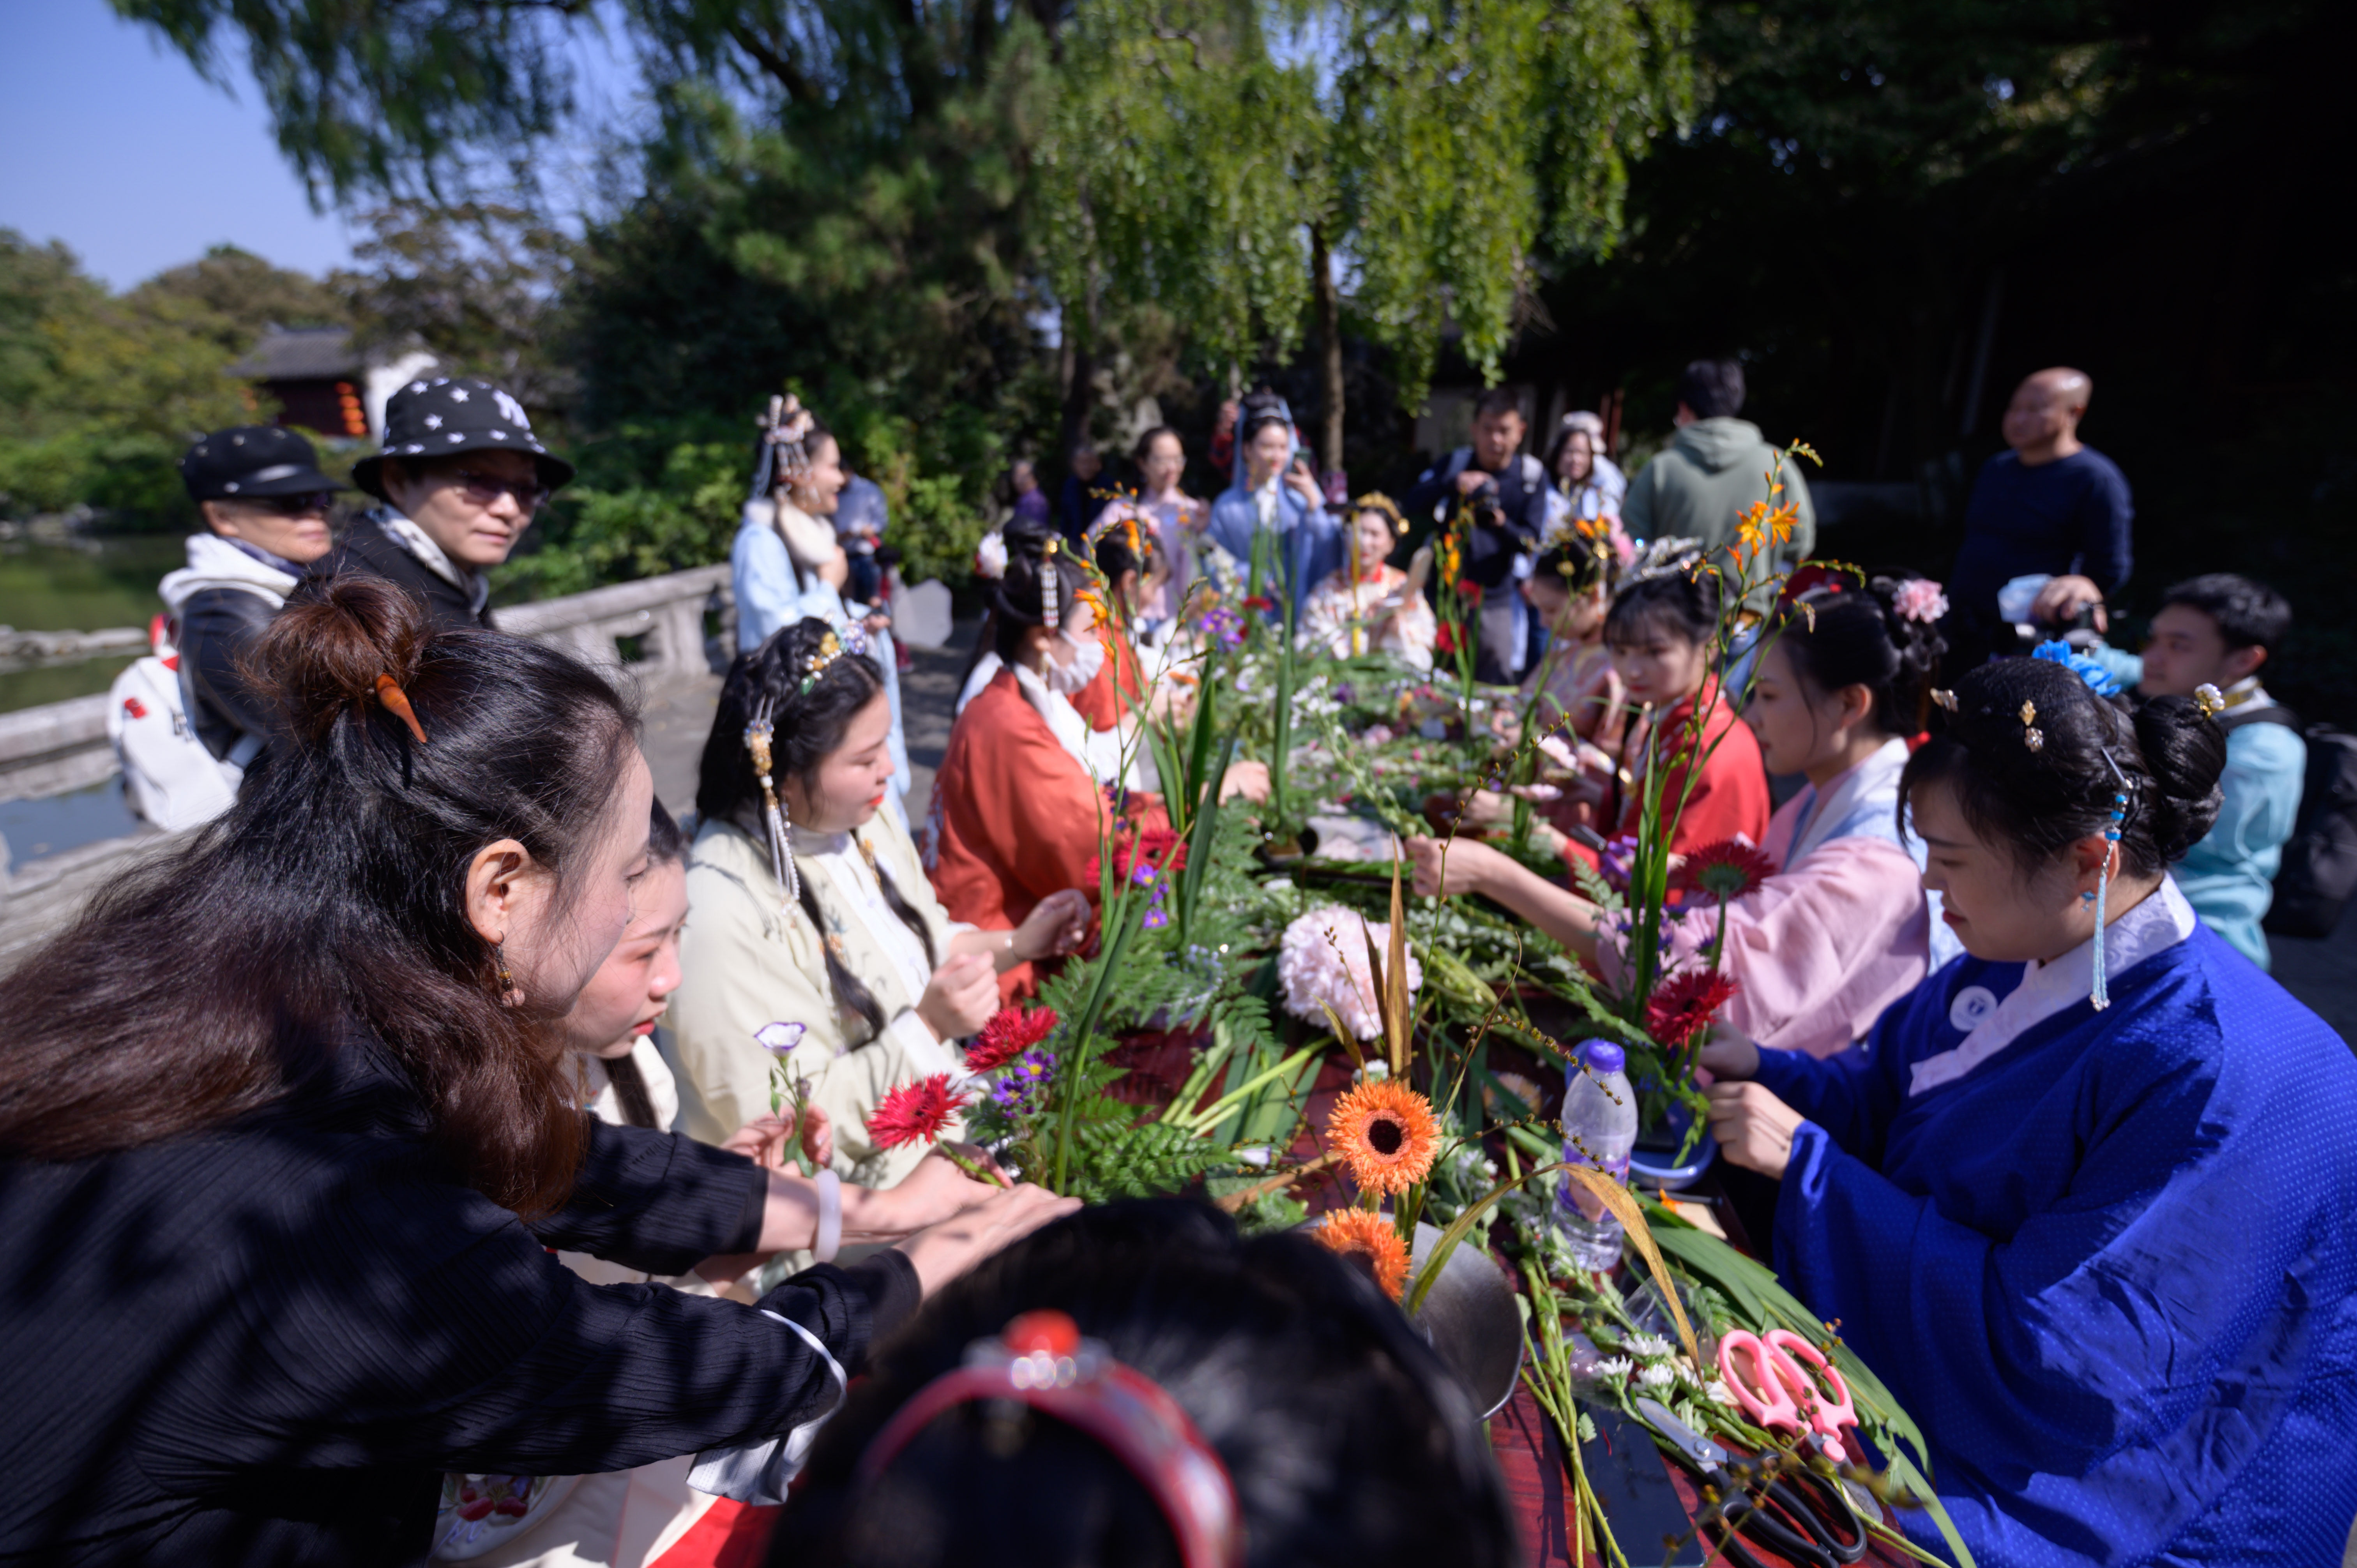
1019, 811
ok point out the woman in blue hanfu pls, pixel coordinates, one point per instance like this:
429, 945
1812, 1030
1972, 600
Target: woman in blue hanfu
1275, 494
2091, 1212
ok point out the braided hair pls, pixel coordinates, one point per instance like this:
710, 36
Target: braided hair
1838, 636
809, 726
2038, 799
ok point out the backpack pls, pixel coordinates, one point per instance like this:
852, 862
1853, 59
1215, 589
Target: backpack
168, 775
2318, 875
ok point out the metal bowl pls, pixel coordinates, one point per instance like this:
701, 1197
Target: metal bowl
1469, 1317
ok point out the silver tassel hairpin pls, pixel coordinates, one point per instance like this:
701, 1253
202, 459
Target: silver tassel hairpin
782, 842
1048, 583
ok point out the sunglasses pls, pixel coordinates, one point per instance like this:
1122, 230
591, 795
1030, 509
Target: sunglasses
301, 505
483, 490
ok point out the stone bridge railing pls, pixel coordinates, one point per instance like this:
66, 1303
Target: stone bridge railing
666, 630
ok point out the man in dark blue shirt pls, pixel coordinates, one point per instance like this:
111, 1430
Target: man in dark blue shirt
2050, 506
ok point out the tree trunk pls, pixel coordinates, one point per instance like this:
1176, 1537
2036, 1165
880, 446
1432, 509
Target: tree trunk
1329, 348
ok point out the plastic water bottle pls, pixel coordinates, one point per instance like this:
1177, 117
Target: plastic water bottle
1600, 1128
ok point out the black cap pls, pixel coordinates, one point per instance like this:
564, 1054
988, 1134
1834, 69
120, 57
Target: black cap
456, 413
253, 461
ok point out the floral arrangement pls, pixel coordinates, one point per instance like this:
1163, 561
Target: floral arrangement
1323, 963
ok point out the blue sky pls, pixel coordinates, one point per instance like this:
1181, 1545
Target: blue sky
116, 146
118, 149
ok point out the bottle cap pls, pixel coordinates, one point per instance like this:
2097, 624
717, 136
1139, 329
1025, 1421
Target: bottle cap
1603, 1055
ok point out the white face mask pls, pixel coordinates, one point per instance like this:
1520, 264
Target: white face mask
1077, 667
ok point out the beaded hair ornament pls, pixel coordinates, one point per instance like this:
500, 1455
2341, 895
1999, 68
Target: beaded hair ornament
758, 733
1041, 1362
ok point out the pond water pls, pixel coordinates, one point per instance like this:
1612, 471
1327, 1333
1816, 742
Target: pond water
54, 587
32, 828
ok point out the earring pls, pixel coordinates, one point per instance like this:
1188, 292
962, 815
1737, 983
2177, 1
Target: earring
758, 734
499, 957
2101, 994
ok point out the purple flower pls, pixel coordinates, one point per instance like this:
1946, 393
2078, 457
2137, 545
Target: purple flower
1226, 625
1143, 874
780, 1038
1024, 1089
1156, 918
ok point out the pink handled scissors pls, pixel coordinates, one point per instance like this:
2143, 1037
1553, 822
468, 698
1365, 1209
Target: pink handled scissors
1777, 1394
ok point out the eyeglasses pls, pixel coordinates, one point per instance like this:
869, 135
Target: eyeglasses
483, 490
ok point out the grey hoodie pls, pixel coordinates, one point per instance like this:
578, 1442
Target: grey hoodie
1705, 481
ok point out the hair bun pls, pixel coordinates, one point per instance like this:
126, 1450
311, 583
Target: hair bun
324, 652
2185, 752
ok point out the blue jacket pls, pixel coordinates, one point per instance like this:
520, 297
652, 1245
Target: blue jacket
2229, 876
1312, 538
770, 592
2108, 1261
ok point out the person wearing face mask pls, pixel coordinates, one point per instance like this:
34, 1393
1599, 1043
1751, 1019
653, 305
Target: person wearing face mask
1276, 495
461, 476
1018, 805
2086, 1199
819, 920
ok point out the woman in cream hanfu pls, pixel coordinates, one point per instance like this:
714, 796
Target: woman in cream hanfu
812, 914
1367, 605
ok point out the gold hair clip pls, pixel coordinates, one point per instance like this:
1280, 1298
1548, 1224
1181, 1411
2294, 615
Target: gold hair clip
2209, 700
2031, 736
830, 648
1944, 698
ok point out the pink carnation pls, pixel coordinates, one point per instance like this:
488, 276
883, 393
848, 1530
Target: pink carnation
1309, 971
1918, 599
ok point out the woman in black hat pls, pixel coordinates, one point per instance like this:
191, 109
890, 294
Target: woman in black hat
265, 504
461, 476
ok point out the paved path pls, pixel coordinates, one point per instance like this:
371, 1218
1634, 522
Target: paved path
678, 720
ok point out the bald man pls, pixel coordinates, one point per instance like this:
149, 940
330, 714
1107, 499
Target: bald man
2053, 506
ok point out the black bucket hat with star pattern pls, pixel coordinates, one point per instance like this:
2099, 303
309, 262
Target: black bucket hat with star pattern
450, 415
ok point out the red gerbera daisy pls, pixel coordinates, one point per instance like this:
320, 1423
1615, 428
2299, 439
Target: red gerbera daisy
1010, 1032
1469, 591
914, 1113
1259, 602
1685, 1004
1728, 868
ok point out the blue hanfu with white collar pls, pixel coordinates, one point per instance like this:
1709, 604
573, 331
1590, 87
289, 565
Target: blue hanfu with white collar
2107, 1260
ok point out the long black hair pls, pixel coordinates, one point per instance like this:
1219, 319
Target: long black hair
1672, 595
328, 905
808, 726
1349, 1443
1016, 603
2036, 800
1839, 636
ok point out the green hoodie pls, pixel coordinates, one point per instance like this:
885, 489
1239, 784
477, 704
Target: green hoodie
1701, 485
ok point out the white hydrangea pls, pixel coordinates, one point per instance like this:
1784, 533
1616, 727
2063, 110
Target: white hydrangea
1309, 969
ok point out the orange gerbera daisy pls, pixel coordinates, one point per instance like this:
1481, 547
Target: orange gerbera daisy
1372, 1237
1386, 1133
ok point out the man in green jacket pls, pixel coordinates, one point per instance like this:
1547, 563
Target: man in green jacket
1701, 485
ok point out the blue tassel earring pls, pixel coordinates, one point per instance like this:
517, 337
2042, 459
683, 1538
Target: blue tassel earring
2101, 997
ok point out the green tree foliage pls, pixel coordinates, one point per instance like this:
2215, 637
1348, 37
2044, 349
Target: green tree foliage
100, 393
1434, 143
476, 285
